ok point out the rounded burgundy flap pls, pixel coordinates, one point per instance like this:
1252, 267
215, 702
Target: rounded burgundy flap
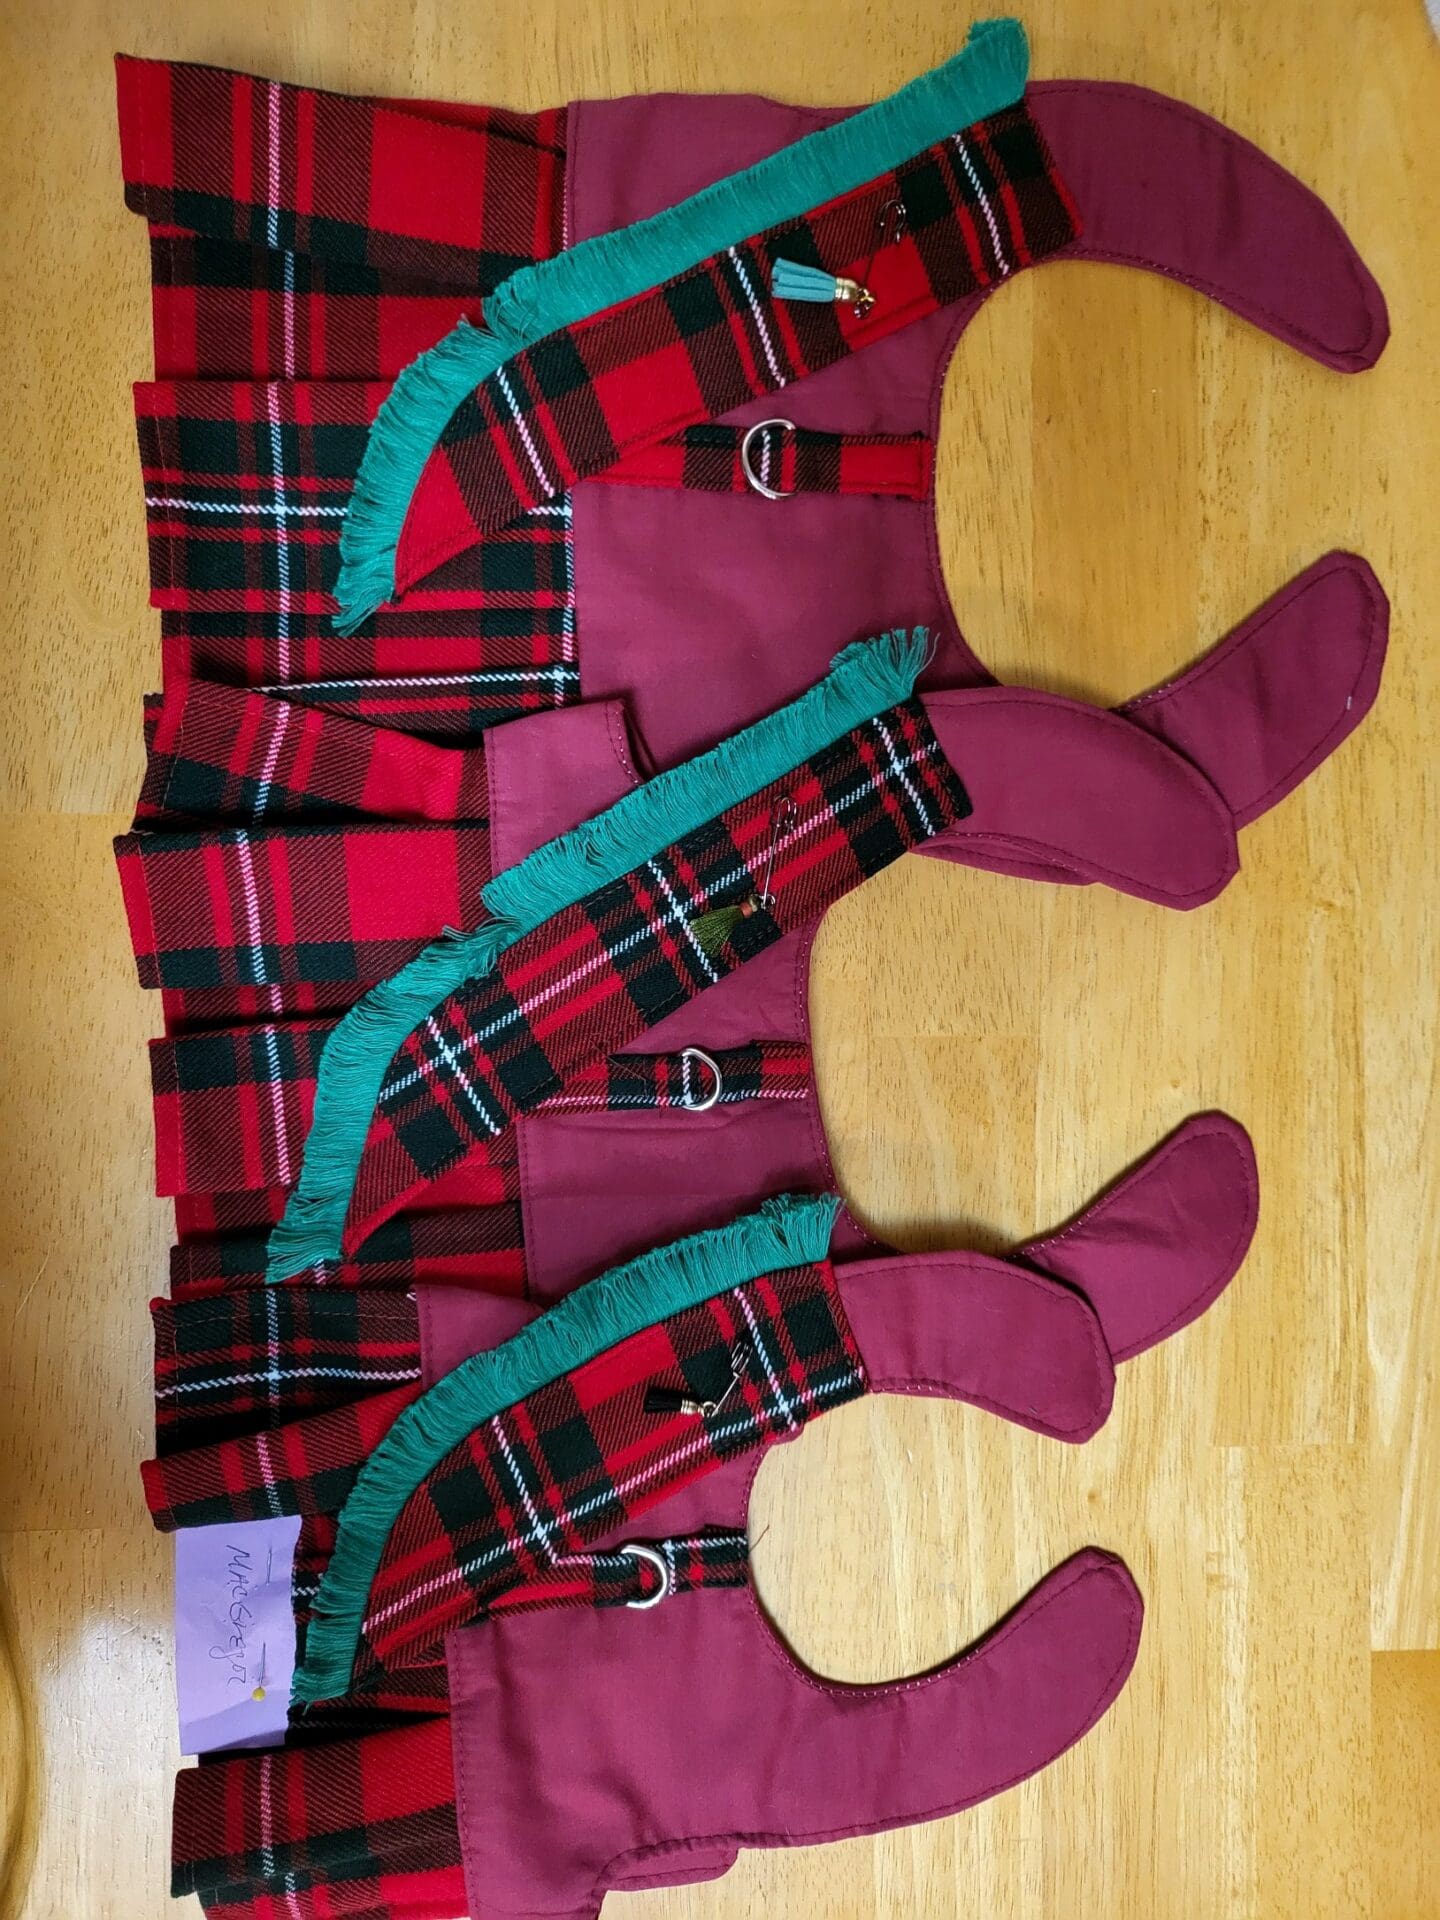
1055, 783
1162, 186
1155, 1251
964, 1326
1278, 694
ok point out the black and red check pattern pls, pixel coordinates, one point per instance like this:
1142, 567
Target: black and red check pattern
337, 905
475, 1246
593, 978
293, 170
233, 1104
223, 753
570, 1462
258, 1358
977, 206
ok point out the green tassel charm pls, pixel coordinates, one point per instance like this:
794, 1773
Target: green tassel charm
714, 928
792, 280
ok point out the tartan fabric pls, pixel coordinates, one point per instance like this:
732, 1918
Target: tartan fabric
232, 1105
254, 1358
299, 171
706, 459
591, 979
457, 1247
246, 486
222, 310
307, 1466
481, 667
333, 904
224, 753
287, 1819
582, 1456
977, 207
328, 1817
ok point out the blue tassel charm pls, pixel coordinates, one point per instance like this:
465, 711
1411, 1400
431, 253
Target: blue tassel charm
791, 280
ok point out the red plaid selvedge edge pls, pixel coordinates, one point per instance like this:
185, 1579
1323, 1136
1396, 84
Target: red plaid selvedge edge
592, 978
232, 1105
977, 207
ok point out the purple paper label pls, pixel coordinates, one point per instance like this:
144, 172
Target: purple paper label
234, 1633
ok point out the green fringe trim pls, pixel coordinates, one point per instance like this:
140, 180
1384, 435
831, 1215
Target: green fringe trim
864, 680
988, 73
791, 1231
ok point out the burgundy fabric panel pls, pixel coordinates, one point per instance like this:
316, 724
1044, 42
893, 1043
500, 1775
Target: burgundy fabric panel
1058, 785
564, 1791
1279, 693
1155, 1251
643, 556
1163, 186
963, 1326
550, 771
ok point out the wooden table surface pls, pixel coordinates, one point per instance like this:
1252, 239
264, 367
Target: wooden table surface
1125, 472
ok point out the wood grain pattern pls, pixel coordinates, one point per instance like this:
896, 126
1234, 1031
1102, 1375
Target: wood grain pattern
1125, 472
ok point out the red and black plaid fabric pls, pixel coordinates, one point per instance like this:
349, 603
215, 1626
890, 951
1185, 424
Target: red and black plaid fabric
581, 1456
378, 1809
976, 206
222, 753
477, 671
293, 170
337, 904
707, 459
474, 1246
258, 1358
591, 979
233, 1104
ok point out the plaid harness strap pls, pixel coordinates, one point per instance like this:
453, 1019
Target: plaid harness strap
584, 1455
232, 1105
976, 207
592, 978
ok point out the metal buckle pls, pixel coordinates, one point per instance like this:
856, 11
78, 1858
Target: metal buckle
711, 1099
752, 480
661, 1566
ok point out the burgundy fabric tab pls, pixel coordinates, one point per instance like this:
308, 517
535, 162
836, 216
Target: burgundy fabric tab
713, 338
1162, 186
1156, 1250
1278, 695
1062, 791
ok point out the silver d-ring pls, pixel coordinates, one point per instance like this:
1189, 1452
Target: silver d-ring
712, 1098
661, 1566
751, 478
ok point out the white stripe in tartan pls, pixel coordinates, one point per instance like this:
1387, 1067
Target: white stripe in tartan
900, 768
270, 511
757, 314
969, 165
210, 1384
